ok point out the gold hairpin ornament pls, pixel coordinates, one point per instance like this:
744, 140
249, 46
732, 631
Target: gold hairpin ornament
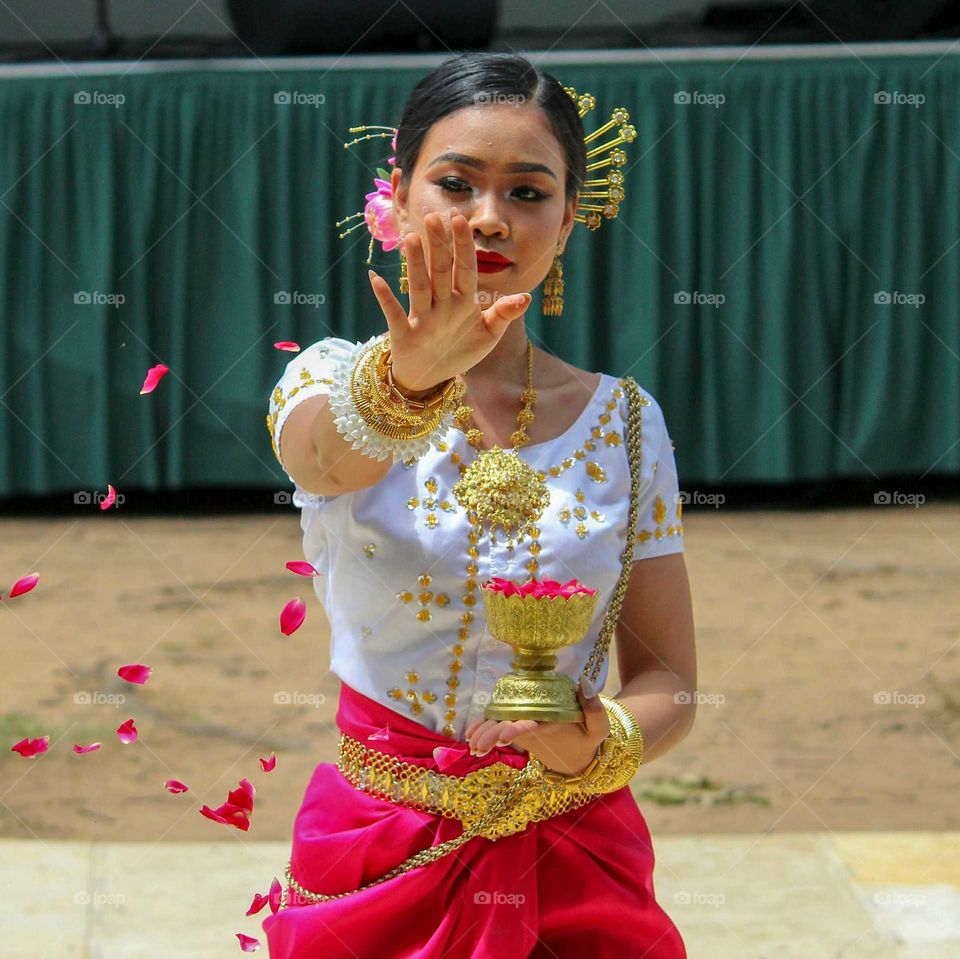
591, 213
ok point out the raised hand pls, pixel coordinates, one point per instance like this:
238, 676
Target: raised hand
445, 332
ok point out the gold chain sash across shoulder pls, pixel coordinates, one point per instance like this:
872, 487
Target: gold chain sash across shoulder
497, 800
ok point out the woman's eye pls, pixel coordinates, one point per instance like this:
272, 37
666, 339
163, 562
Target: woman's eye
450, 185
453, 185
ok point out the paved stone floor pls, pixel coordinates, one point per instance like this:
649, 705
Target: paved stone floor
735, 896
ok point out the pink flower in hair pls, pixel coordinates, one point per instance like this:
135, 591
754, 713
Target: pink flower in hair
379, 215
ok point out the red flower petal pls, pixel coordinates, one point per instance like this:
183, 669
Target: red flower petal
175, 786
154, 375
288, 345
243, 795
236, 810
127, 732
267, 765
23, 585
28, 748
205, 810
276, 890
80, 750
292, 616
135, 673
304, 569
248, 943
229, 815
258, 903
109, 499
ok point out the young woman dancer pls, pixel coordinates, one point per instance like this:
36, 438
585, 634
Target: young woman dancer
430, 460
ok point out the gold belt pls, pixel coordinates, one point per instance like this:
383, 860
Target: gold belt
467, 798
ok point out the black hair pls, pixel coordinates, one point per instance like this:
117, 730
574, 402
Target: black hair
467, 79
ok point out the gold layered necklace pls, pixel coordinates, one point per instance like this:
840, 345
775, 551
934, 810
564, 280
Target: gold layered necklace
498, 489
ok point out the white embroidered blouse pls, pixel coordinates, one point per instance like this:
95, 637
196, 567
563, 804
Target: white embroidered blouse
401, 566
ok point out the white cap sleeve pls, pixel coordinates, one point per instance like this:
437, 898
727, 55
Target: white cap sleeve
659, 529
309, 373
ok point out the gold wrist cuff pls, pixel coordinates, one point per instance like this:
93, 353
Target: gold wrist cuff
384, 408
616, 760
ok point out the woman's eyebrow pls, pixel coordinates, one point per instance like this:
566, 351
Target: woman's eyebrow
481, 165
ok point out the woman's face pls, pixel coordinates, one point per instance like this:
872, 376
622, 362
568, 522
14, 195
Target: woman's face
522, 215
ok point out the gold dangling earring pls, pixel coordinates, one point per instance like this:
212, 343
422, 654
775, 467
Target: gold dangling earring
404, 285
553, 287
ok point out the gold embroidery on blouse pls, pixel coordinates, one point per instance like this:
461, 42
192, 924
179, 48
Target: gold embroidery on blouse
658, 514
596, 472
424, 597
431, 503
279, 401
580, 513
412, 695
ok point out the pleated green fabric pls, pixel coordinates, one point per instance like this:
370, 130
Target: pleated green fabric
761, 280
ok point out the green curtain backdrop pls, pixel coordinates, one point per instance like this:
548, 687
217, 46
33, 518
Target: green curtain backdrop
160, 216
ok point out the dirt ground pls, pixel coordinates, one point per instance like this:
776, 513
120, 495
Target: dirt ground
828, 655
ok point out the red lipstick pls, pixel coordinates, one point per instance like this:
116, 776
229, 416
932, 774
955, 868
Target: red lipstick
491, 262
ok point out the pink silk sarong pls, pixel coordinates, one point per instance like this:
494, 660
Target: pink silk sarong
579, 884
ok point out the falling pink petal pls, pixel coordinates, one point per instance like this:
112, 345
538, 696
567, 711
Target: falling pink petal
109, 498
382, 733
28, 748
288, 345
127, 732
80, 750
248, 943
175, 786
236, 810
23, 585
276, 891
227, 815
243, 795
258, 903
267, 764
135, 673
154, 375
304, 569
292, 616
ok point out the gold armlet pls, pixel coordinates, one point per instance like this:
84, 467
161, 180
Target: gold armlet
616, 760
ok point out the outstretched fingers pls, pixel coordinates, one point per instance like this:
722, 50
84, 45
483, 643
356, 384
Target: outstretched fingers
465, 256
441, 256
393, 311
418, 277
